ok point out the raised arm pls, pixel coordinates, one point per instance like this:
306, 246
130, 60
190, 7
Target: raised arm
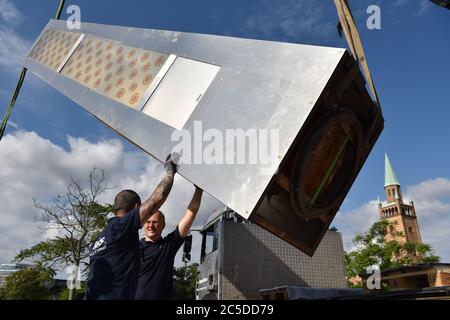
159, 196
189, 215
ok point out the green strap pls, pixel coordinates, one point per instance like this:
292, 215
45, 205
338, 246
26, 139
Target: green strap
19, 84
60, 8
12, 102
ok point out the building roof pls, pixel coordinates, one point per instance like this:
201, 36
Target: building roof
389, 175
435, 293
8, 268
405, 269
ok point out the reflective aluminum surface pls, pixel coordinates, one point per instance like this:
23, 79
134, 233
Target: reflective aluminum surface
260, 85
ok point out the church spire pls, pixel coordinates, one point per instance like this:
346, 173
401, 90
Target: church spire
389, 175
394, 210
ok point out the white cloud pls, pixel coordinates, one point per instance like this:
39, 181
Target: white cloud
9, 13
36, 167
312, 21
293, 20
356, 221
432, 202
399, 3
13, 46
419, 8
424, 5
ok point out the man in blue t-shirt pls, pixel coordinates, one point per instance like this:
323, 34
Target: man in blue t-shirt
114, 257
157, 254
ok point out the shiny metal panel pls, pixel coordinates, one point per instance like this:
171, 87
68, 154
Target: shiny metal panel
180, 92
260, 85
158, 78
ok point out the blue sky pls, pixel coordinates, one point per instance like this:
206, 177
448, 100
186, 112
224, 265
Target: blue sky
408, 58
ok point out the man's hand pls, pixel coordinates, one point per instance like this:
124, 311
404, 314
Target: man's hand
171, 167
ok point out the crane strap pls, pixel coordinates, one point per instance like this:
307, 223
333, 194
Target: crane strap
354, 42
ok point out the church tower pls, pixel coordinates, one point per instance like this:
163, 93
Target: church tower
395, 210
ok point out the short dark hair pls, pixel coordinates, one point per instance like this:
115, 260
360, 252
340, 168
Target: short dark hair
126, 200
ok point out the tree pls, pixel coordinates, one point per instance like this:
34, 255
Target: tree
185, 279
77, 217
372, 248
28, 284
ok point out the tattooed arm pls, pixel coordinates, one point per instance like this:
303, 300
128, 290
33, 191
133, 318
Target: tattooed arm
159, 196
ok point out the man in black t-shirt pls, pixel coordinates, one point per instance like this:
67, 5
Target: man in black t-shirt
157, 254
114, 257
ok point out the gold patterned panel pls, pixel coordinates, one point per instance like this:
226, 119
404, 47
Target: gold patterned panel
119, 72
53, 47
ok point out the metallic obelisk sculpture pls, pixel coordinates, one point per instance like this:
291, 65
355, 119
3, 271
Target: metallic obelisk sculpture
154, 87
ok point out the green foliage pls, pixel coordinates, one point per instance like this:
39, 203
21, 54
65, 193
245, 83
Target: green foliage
77, 295
374, 249
47, 253
28, 284
185, 282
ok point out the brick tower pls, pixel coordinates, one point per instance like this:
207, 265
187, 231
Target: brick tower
396, 210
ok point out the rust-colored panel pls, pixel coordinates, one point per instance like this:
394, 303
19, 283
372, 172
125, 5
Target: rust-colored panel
121, 73
53, 47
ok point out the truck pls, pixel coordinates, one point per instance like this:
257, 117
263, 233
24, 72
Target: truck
239, 259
